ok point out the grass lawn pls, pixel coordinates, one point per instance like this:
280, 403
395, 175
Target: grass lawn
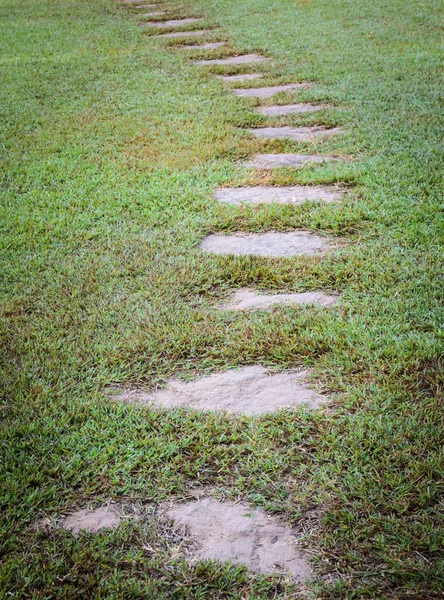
112, 145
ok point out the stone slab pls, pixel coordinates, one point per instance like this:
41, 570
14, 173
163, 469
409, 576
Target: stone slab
288, 109
104, 517
268, 92
172, 23
272, 161
244, 77
249, 391
209, 46
249, 299
157, 13
295, 194
183, 34
292, 133
233, 60
242, 535
271, 244
146, 6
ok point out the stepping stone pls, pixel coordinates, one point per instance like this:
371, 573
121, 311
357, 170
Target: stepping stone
154, 14
292, 133
271, 161
245, 77
181, 34
146, 6
246, 299
233, 60
295, 194
271, 244
209, 46
267, 92
248, 391
288, 109
104, 517
241, 534
172, 23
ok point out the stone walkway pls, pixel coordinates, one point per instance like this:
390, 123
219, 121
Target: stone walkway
223, 530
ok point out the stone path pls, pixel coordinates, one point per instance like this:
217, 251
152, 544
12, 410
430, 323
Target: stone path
274, 244
233, 60
235, 78
292, 133
208, 46
268, 92
248, 299
157, 13
288, 109
272, 161
293, 194
172, 23
183, 34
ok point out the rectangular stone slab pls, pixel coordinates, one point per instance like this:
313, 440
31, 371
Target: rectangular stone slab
249, 299
172, 23
233, 78
157, 13
146, 6
233, 60
271, 244
268, 92
295, 194
288, 109
292, 133
183, 34
273, 161
209, 46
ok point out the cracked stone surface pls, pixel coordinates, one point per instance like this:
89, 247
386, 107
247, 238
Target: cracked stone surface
241, 534
271, 161
249, 299
249, 391
182, 34
233, 60
272, 244
289, 109
172, 23
245, 77
209, 46
104, 517
267, 92
292, 133
295, 194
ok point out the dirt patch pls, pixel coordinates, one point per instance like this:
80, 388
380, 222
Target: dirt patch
272, 161
248, 391
288, 109
295, 194
104, 517
272, 244
233, 60
234, 78
268, 92
172, 23
293, 133
242, 535
248, 299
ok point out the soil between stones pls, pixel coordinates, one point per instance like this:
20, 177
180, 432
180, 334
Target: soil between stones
288, 109
233, 60
274, 244
272, 161
292, 133
249, 391
295, 194
242, 535
249, 299
267, 92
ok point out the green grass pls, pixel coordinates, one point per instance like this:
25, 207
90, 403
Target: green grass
112, 145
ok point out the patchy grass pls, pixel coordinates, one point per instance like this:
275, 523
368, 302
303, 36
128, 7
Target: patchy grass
112, 146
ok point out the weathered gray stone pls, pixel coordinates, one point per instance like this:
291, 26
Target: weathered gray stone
274, 244
183, 34
295, 194
172, 23
267, 92
288, 109
146, 6
292, 133
241, 534
233, 60
104, 517
209, 46
247, 299
156, 13
272, 161
249, 390
234, 78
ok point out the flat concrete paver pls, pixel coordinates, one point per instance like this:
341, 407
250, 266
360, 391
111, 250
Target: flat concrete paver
244, 77
292, 133
233, 60
157, 13
288, 109
272, 161
172, 23
271, 244
209, 46
242, 535
268, 92
295, 194
183, 34
249, 299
